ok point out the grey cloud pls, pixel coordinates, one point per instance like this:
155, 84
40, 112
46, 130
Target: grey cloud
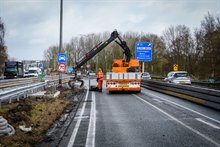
34, 25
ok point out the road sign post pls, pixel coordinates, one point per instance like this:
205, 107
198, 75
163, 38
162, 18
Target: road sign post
175, 67
143, 52
41, 65
61, 67
62, 58
69, 69
61, 36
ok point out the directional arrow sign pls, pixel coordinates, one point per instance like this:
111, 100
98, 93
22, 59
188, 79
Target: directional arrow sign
62, 67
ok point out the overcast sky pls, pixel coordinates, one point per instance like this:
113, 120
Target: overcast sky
33, 25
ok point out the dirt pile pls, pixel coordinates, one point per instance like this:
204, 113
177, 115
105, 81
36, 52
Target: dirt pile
20, 113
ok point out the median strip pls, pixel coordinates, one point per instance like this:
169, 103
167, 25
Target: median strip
187, 97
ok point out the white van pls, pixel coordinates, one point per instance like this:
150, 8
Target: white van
34, 72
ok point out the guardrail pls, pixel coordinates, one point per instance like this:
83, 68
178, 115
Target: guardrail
24, 91
56, 81
158, 77
206, 84
21, 92
16, 82
194, 82
204, 96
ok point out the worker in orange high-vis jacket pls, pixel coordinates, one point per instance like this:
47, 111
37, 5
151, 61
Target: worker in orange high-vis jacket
100, 79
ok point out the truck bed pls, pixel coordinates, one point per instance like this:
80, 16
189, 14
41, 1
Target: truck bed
127, 81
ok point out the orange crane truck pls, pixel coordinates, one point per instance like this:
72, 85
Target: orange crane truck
125, 75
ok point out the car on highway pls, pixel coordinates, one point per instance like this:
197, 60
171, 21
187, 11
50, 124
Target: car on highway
145, 76
26, 74
34, 71
178, 77
91, 73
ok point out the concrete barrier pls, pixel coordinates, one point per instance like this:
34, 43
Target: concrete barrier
204, 96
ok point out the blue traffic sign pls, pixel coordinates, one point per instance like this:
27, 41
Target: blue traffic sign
62, 58
69, 69
41, 65
144, 51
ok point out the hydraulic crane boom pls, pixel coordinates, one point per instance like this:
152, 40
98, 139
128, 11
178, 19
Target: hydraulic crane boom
101, 46
96, 50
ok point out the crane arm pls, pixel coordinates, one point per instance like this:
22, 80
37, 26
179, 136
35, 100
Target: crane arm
96, 50
101, 46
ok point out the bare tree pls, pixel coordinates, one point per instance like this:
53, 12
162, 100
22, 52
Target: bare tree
211, 45
3, 48
50, 55
179, 45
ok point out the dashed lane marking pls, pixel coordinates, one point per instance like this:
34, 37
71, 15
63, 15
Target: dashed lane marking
158, 100
90, 141
215, 120
208, 123
178, 121
76, 128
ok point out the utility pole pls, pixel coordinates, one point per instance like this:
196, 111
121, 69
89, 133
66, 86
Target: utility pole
61, 32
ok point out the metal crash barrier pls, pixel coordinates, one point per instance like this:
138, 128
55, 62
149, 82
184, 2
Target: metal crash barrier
204, 96
24, 91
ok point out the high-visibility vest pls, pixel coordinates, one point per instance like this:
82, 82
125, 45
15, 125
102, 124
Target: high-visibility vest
100, 75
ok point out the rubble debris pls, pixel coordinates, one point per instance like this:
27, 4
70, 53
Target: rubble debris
45, 94
23, 128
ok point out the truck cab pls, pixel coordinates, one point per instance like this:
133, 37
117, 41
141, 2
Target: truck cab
13, 69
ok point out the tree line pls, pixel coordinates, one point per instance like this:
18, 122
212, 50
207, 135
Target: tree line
194, 51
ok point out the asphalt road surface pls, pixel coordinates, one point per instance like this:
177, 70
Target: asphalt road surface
141, 120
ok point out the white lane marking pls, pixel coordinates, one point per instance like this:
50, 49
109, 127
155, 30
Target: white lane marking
215, 120
73, 136
178, 121
208, 123
90, 140
83, 117
158, 100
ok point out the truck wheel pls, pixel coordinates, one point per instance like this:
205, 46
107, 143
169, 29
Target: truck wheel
110, 92
138, 91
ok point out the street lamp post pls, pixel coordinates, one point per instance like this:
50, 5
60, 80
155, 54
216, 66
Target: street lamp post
61, 32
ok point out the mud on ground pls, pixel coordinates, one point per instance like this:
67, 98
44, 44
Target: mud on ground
39, 114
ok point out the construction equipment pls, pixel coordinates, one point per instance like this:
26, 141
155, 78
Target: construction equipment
125, 76
119, 67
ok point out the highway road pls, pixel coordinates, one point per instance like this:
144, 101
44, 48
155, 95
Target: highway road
145, 119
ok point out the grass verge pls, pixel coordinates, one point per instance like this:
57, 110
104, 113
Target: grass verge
36, 113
